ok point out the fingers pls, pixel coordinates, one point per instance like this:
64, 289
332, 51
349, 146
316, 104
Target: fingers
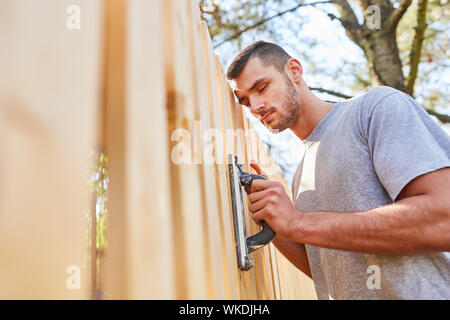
257, 168
258, 205
257, 217
264, 192
256, 196
259, 185
261, 199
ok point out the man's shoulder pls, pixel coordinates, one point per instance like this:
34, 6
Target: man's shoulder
371, 98
382, 91
378, 95
381, 101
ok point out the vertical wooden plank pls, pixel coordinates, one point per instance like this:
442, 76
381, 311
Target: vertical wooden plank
239, 139
228, 217
149, 247
217, 122
226, 241
114, 141
190, 250
289, 281
226, 113
207, 170
93, 254
276, 271
283, 276
49, 94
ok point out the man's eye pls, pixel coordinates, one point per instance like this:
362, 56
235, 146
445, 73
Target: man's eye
262, 88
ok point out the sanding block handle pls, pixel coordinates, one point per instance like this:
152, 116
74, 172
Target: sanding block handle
267, 234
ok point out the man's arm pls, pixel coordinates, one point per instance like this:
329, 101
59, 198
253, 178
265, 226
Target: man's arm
419, 221
294, 252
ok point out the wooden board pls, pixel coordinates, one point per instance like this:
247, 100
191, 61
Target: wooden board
191, 257
222, 188
49, 102
208, 179
149, 234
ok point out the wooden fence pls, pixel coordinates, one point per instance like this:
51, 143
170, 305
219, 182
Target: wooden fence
139, 81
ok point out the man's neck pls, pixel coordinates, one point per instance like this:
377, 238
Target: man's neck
312, 111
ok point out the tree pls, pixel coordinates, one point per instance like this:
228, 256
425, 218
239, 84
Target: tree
372, 25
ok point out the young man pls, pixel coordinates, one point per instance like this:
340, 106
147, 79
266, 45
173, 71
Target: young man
371, 211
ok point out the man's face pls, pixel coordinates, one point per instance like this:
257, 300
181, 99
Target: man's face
270, 95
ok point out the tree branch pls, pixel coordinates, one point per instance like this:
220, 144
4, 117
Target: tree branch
384, 4
442, 117
261, 22
416, 48
395, 17
333, 93
349, 21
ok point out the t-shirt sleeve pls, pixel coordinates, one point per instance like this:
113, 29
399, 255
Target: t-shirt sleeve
404, 142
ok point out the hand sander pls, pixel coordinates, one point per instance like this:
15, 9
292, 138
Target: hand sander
244, 245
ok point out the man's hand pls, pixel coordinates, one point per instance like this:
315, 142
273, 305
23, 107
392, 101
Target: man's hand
270, 202
258, 169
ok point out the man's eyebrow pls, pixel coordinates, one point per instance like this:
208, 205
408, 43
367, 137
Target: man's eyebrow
255, 84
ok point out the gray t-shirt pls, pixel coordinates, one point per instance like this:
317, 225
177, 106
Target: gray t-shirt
359, 157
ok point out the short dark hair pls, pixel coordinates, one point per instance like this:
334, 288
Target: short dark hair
269, 53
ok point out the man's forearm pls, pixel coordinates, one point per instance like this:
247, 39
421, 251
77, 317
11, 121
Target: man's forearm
294, 252
409, 226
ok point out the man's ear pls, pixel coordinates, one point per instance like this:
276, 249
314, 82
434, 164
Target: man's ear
294, 69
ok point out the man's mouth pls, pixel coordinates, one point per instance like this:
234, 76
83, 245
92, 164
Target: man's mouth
267, 116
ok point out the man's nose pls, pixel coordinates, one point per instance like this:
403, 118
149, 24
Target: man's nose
256, 105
